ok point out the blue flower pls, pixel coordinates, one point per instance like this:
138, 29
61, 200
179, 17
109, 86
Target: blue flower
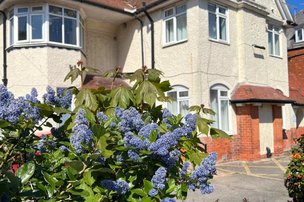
62, 99
101, 117
130, 120
63, 148
172, 158
159, 178
153, 192
120, 186
184, 170
147, 129
190, 121
168, 200
82, 133
133, 155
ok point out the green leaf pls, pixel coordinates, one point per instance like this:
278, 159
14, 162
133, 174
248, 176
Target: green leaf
195, 108
154, 75
60, 110
139, 192
73, 74
196, 156
121, 97
138, 76
217, 133
25, 172
202, 125
171, 186
146, 199
77, 165
153, 136
87, 98
4, 124
88, 179
146, 92
147, 186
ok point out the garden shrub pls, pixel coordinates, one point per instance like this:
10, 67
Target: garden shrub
294, 177
116, 145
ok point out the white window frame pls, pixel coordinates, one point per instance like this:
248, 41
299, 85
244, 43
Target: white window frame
45, 26
219, 15
173, 17
178, 89
297, 35
221, 88
275, 30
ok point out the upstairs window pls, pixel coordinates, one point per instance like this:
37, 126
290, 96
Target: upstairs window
218, 26
175, 24
219, 100
299, 35
274, 40
46, 24
179, 104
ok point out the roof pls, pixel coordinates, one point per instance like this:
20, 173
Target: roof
94, 82
296, 96
251, 93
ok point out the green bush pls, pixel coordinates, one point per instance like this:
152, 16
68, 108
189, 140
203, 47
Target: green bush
116, 145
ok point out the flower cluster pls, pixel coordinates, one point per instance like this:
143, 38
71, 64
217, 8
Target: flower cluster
294, 176
203, 173
62, 99
130, 120
120, 186
82, 133
13, 109
158, 181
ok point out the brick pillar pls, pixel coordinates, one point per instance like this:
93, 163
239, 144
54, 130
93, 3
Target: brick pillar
248, 130
277, 129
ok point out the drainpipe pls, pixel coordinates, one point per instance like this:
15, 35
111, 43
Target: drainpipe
152, 36
142, 40
4, 79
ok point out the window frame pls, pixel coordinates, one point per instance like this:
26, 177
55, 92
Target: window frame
297, 35
174, 18
219, 15
221, 88
45, 13
178, 89
274, 32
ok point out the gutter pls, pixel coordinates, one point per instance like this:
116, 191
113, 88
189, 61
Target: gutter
4, 79
262, 101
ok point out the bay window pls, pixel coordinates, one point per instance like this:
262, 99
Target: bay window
219, 101
299, 35
46, 24
175, 24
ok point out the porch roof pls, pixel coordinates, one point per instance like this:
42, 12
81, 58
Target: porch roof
95, 82
263, 94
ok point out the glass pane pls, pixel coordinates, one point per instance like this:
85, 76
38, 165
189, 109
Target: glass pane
223, 29
212, 8
38, 8
183, 107
169, 31
172, 106
22, 32
70, 26
168, 13
70, 13
55, 28
277, 44
183, 94
36, 26
212, 26
55, 10
224, 93
270, 42
181, 9
22, 10
270, 27
11, 31
300, 36
224, 115
214, 107
222, 10
181, 22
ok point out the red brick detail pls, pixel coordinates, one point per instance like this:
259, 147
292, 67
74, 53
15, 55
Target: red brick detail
248, 130
277, 129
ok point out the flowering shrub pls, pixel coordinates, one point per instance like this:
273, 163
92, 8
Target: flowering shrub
294, 177
115, 146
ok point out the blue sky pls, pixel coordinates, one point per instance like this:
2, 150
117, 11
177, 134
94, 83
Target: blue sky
299, 4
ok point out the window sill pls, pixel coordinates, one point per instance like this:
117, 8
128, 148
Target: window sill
276, 56
219, 41
174, 43
42, 45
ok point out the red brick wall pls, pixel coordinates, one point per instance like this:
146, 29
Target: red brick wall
292, 134
296, 69
277, 129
